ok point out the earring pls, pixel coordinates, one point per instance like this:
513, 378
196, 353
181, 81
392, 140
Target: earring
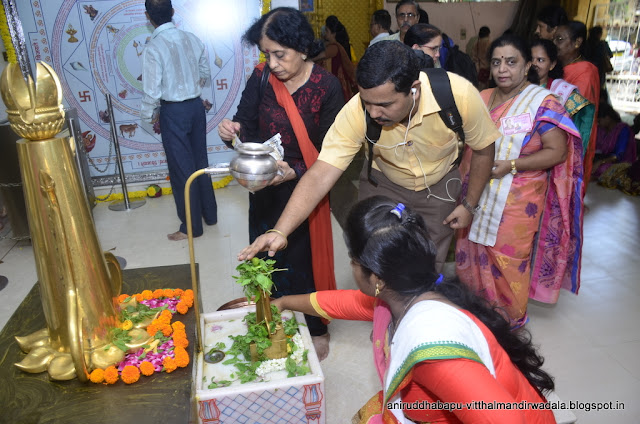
304, 57
377, 290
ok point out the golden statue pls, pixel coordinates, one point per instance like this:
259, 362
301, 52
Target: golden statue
79, 284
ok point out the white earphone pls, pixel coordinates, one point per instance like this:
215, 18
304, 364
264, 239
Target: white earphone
414, 91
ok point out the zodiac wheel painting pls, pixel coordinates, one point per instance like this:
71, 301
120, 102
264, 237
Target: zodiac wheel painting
96, 47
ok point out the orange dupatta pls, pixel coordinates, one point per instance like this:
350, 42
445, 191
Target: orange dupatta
320, 217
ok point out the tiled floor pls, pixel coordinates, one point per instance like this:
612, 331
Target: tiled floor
591, 341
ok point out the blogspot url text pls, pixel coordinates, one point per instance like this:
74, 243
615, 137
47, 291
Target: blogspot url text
522, 405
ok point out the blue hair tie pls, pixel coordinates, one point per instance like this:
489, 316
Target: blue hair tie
439, 280
397, 211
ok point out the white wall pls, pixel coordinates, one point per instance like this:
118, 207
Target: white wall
453, 18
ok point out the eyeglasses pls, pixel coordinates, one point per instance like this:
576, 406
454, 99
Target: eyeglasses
406, 15
435, 49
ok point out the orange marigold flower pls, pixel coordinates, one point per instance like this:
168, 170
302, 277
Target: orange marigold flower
139, 297
147, 368
147, 294
127, 325
122, 298
166, 330
182, 357
152, 329
182, 307
178, 293
130, 374
97, 375
187, 301
168, 293
188, 294
177, 326
111, 375
158, 293
169, 364
182, 342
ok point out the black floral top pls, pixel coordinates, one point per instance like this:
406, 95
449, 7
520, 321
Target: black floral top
319, 100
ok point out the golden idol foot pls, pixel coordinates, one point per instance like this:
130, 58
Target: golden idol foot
139, 338
37, 360
33, 340
101, 358
61, 368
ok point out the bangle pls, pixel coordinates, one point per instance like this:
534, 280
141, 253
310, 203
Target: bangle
286, 241
514, 170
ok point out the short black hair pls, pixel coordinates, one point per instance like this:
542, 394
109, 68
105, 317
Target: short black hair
160, 11
553, 15
484, 32
404, 2
421, 34
287, 27
388, 61
382, 18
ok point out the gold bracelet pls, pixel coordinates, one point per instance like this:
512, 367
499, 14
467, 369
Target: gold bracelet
286, 241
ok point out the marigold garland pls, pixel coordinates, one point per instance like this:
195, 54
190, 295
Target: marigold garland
111, 375
147, 368
6, 37
222, 183
130, 374
161, 328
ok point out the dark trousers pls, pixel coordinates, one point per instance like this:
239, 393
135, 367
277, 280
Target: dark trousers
432, 210
183, 128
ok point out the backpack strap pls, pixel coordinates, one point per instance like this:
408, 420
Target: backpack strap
372, 136
441, 89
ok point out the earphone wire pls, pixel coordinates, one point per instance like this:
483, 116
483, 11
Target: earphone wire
404, 143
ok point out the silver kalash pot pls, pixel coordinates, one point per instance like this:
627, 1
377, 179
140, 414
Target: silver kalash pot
253, 167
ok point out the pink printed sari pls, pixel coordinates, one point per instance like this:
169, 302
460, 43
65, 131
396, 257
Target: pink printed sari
537, 249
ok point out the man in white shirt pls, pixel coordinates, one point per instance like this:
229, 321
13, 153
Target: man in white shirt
407, 14
380, 26
175, 68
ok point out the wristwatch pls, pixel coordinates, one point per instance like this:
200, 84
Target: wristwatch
472, 209
514, 170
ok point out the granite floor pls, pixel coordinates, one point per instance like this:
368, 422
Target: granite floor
590, 341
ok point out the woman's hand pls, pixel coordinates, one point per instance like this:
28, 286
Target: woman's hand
500, 168
228, 129
285, 173
278, 303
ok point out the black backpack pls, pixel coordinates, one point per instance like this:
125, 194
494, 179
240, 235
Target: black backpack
459, 62
441, 89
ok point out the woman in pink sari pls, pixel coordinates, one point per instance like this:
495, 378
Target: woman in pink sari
434, 341
525, 236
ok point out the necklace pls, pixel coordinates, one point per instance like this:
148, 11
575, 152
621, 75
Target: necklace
577, 59
510, 100
393, 324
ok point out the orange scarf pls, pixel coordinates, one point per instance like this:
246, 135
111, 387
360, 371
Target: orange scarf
320, 218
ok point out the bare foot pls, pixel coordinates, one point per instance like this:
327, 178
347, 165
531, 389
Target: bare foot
178, 235
321, 344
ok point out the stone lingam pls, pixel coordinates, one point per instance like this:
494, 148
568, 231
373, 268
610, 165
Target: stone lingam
258, 365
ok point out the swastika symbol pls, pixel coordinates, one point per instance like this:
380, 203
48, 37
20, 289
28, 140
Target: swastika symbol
222, 84
84, 96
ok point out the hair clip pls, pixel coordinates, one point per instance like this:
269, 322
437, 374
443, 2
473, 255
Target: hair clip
397, 211
439, 280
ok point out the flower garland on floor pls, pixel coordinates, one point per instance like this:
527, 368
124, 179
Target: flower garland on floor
166, 352
6, 37
222, 183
